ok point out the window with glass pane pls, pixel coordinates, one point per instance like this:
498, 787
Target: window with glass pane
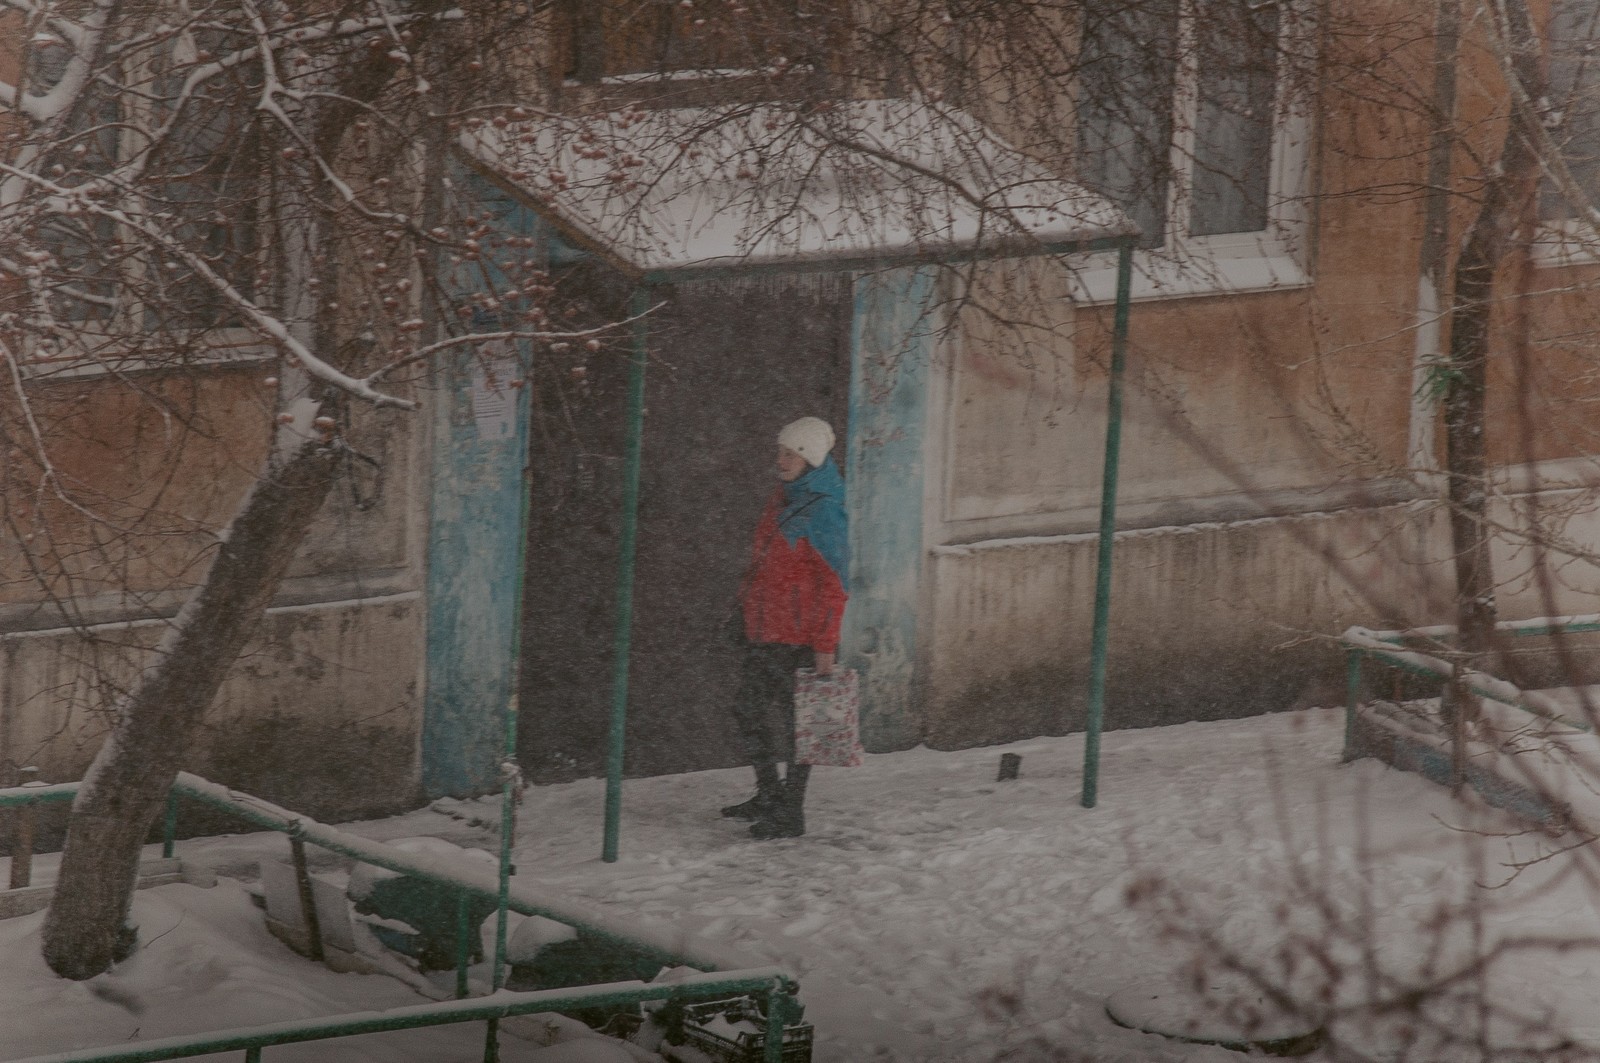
1127, 76
1179, 97
609, 38
211, 185
199, 180
1574, 49
1237, 78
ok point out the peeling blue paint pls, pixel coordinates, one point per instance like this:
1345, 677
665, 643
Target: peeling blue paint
891, 340
474, 546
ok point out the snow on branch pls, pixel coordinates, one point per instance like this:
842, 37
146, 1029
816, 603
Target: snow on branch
276, 330
433, 350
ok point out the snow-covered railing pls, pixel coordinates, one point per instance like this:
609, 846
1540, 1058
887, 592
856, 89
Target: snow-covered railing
1538, 625
1390, 648
769, 981
23, 800
731, 971
672, 943
1534, 753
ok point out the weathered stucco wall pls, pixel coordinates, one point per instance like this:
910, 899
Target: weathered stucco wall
1207, 620
321, 713
1276, 479
1266, 497
1216, 620
891, 337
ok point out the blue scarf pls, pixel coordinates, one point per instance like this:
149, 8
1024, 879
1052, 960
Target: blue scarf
813, 509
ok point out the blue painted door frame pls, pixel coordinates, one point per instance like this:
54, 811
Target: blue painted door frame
891, 338
475, 530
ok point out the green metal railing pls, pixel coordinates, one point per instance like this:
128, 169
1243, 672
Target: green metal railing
1100, 633
1389, 648
731, 971
769, 982
22, 800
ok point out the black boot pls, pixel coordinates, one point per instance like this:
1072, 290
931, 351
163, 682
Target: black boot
788, 817
769, 793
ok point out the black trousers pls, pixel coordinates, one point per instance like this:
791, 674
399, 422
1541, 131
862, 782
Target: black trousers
764, 707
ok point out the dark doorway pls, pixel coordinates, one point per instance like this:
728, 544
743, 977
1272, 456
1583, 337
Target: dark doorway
731, 362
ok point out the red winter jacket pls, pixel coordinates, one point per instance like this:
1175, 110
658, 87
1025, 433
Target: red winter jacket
790, 594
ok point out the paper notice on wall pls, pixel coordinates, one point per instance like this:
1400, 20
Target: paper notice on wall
494, 400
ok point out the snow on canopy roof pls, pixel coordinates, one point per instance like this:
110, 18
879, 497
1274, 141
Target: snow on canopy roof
768, 185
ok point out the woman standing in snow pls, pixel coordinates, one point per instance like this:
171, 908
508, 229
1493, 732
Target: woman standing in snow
792, 601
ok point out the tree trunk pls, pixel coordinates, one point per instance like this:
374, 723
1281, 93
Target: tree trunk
1501, 227
127, 784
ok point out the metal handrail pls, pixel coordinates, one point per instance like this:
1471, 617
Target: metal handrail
20, 796
771, 982
1539, 625
724, 970
1387, 647
670, 942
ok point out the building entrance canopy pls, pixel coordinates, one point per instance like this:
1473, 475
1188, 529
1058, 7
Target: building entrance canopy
668, 193
679, 194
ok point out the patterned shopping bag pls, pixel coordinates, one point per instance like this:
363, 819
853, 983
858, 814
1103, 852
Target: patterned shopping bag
827, 718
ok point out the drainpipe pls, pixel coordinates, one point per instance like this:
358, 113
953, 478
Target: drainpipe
1422, 449
1108, 527
638, 303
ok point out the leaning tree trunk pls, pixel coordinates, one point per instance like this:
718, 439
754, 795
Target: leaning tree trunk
129, 779
127, 784
1502, 226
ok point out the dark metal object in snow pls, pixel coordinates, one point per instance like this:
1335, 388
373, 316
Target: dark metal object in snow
1010, 767
735, 1031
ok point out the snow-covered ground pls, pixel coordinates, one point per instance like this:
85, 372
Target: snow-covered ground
933, 913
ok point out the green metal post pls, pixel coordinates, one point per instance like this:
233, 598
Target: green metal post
778, 1009
1108, 527
169, 828
508, 826
637, 305
1352, 697
463, 941
491, 1041
24, 821
22, 828
252, 1054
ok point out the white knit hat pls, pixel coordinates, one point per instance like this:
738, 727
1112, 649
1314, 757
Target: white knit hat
809, 437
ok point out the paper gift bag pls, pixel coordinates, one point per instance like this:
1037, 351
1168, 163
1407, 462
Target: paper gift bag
827, 718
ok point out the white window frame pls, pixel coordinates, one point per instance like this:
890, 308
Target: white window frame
98, 354
1567, 241
1264, 260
